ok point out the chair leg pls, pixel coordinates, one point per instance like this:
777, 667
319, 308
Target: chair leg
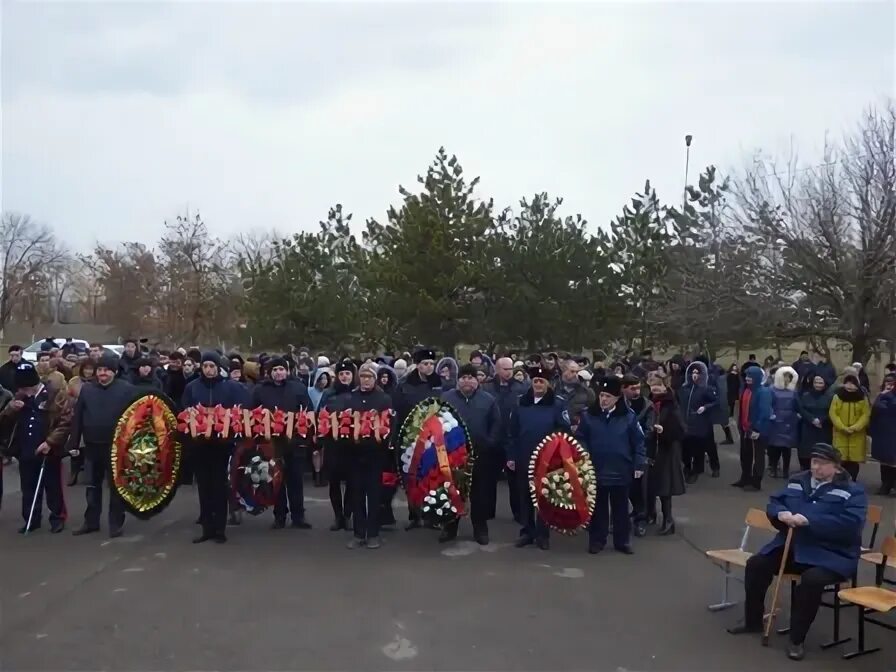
784, 630
837, 640
725, 603
862, 651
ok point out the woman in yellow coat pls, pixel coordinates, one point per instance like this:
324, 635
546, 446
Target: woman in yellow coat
850, 414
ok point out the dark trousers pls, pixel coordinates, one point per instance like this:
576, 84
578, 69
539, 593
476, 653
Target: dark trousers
76, 465
610, 498
695, 449
887, 476
513, 493
761, 571
781, 453
99, 471
852, 468
752, 460
805, 463
483, 491
291, 498
533, 526
51, 487
366, 482
212, 482
638, 496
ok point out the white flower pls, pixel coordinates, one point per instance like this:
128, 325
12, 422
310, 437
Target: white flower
447, 484
438, 512
544, 491
565, 476
453, 509
432, 493
544, 480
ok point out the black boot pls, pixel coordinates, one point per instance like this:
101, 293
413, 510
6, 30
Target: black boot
205, 536
73, 477
301, 524
729, 440
480, 534
640, 528
449, 533
278, 524
667, 528
84, 529
338, 524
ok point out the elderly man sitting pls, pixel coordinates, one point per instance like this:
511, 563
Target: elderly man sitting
827, 513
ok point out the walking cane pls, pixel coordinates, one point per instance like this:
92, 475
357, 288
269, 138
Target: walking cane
770, 618
40, 480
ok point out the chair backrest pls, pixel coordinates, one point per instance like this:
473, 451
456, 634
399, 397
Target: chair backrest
874, 515
759, 519
888, 550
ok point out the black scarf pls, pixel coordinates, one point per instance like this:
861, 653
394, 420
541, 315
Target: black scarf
846, 395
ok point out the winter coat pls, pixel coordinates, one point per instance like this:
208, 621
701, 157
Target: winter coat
413, 390
666, 476
825, 370
733, 382
646, 416
692, 396
720, 411
288, 396
785, 419
676, 378
97, 411
8, 376
150, 382
814, 406
578, 397
369, 400
482, 417
215, 391
531, 422
755, 415
51, 408
175, 384
508, 398
127, 366
836, 513
882, 428
316, 395
615, 442
850, 410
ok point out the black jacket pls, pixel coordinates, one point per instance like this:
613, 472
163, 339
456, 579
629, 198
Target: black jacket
371, 400
415, 389
289, 396
8, 377
175, 384
97, 412
215, 391
482, 417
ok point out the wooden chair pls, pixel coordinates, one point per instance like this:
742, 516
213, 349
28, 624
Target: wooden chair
873, 599
737, 557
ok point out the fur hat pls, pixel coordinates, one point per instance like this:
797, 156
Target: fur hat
612, 385
538, 372
345, 365
422, 354
26, 375
274, 362
108, 362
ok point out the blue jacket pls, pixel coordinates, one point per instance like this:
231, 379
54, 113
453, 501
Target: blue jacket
785, 423
836, 514
692, 396
615, 442
480, 414
215, 391
531, 422
882, 429
760, 411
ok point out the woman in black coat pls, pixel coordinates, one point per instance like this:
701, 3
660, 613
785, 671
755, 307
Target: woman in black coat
815, 423
666, 478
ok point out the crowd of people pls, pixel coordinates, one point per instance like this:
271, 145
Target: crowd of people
648, 425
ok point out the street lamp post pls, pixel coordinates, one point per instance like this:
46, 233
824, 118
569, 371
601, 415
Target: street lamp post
687, 163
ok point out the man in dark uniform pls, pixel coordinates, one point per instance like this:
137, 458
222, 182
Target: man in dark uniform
479, 411
41, 416
9, 369
366, 461
290, 396
421, 383
99, 407
212, 456
826, 511
336, 466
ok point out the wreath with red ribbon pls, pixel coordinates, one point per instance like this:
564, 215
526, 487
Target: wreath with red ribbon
562, 483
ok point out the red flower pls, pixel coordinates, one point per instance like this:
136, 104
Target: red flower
278, 422
367, 423
302, 423
257, 419
323, 423
385, 420
236, 421
345, 423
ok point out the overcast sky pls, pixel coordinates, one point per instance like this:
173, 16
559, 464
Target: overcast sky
119, 115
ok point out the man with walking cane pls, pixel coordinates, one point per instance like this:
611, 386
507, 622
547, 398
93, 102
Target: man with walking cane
40, 416
821, 512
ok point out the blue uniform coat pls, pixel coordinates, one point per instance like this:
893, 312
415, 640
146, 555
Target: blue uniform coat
836, 514
531, 422
615, 442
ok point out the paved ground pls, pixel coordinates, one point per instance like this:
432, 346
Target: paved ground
292, 600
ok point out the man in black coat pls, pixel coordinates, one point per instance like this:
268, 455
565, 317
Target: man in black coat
8, 370
278, 391
480, 413
99, 407
421, 383
507, 391
366, 460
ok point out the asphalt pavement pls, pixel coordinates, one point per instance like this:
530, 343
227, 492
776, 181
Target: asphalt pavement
299, 600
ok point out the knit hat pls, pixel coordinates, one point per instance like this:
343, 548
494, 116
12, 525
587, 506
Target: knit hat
143, 361
26, 375
274, 362
368, 367
850, 378
323, 362
211, 356
467, 370
108, 362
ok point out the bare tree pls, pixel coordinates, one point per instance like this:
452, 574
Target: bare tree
834, 229
26, 250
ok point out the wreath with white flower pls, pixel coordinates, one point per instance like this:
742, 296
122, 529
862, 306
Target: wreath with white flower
562, 483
